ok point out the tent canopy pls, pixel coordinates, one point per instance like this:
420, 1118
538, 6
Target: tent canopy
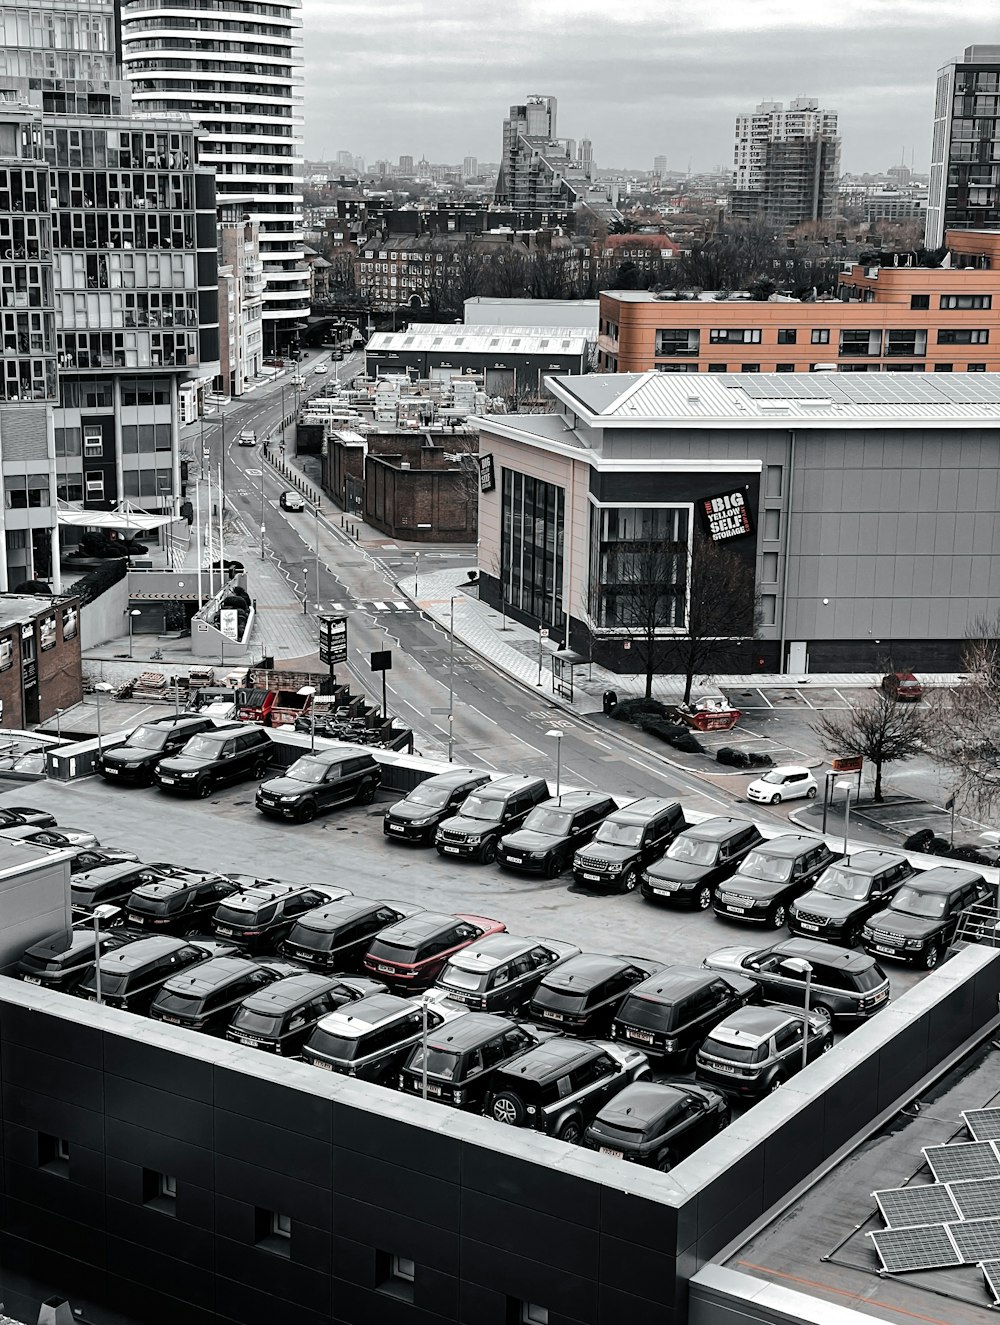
124, 516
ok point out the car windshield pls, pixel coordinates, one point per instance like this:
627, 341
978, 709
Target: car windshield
111, 985
202, 747
913, 902
645, 1013
435, 798
694, 852
178, 1004
736, 1053
840, 882
775, 778
405, 954
257, 1023
769, 869
149, 738
344, 1047
455, 978
619, 835
481, 807
319, 940
440, 1063
308, 769
872, 978
554, 823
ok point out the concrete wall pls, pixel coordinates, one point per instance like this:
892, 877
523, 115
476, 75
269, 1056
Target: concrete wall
104, 618
34, 897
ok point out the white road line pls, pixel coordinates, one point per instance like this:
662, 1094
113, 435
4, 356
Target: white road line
380, 607
401, 607
602, 744
660, 773
483, 715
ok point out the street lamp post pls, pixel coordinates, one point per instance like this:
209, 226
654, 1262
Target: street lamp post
310, 691
101, 688
847, 788
316, 513
802, 967
131, 621
557, 737
103, 912
451, 683
416, 574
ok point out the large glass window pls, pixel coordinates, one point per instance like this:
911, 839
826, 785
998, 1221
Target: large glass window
638, 562
532, 549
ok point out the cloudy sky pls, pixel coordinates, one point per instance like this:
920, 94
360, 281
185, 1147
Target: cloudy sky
639, 77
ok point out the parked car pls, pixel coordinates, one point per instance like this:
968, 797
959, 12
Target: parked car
281, 1016
412, 953
698, 860
582, 995
335, 937
559, 1086
499, 973
132, 976
785, 783
228, 754
903, 687
756, 1050
290, 500
657, 1124
63, 959
319, 781
206, 998
417, 817
462, 1057
847, 984
920, 921
846, 894
104, 885
19, 816
61, 837
177, 903
83, 859
257, 919
771, 876
370, 1039
670, 1014
552, 831
626, 842
133, 762
493, 809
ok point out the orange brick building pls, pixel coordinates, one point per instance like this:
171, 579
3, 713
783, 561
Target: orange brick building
886, 319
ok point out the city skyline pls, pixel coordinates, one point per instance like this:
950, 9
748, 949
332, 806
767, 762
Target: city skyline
635, 85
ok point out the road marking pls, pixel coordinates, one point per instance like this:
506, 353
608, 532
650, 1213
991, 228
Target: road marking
601, 744
380, 607
484, 715
660, 773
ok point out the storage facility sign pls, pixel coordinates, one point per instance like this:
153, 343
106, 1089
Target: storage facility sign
726, 516
487, 474
332, 640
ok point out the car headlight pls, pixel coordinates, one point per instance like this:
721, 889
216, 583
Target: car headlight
614, 868
421, 823
286, 800
670, 1046
914, 943
186, 775
473, 839
458, 1096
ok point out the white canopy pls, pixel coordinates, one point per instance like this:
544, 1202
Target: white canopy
122, 517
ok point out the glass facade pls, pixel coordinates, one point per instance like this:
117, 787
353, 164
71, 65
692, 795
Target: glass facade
638, 561
532, 547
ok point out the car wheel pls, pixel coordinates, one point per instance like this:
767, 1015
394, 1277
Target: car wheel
776, 798
704, 898
570, 1132
827, 1046
776, 917
853, 936
366, 793
931, 957
205, 788
506, 1107
260, 770
776, 1082
307, 812
811, 793
664, 1161
628, 881
488, 852
824, 1011
553, 867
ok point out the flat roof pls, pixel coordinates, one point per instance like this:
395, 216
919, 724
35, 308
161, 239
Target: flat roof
18, 608
449, 338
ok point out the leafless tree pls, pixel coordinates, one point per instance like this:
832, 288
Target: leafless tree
879, 728
964, 722
723, 611
647, 598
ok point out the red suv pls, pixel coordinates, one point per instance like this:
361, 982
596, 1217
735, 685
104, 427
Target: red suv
903, 686
412, 953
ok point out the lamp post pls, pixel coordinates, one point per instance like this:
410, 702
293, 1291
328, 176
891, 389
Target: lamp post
131, 621
103, 912
557, 736
101, 688
310, 691
416, 574
316, 514
847, 788
451, 683
802, 967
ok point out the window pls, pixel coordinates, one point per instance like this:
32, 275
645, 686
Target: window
94, 482
907, 344
749, 367
734, 336
93, 442
975, 368
272, 1231
772, 481
395, 1275
159, 1191
717, 367
53, 1154
526, 1313
962, 336
820, 336
532, 547
943, 367
922, 301
860, 342
672, 342
638, 566
768, 608
786, 335
784, 368
965, 301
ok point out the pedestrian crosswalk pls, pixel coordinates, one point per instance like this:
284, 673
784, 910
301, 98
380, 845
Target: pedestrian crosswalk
374, 605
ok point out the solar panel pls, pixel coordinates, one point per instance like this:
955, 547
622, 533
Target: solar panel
976, 1200
973, 1159
925, 1248
991, 1273
977, 1239
983, 1124
904, 1207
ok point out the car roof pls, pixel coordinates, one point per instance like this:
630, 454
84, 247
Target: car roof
711, 830
788, 768
414, 929
943, 879
453, 778
367, 1014
332, 754
492, 951
573, 800
106, 873
506, 785
133, 955
674, 982
789, 844
647, 807
468, 1030
843, 959
165, 887
756, 1023
552, 1058
341, 912
261, 895
203, 978
289, 992
870, 861
583, 971
644, 1102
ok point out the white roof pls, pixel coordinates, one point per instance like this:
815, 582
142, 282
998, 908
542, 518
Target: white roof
449, 338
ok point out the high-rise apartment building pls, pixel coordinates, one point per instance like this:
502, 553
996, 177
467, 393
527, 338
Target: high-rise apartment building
659, 164
470, 168
965, 151
236, 67
406, 165
786, 163
537, 168
107, 279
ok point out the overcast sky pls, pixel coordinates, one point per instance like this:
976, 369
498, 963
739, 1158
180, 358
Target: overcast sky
639, 77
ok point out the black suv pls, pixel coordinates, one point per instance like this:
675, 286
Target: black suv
670, 1014
227, 754
546, 841
846, 894
626, 842
23, 816
103, 885
319, 781
133, 975
134, 761
697, 861
259, 918
847, 984
89, 858
61, 960
499, 973
178, 903
417, 817
658, 1123
206, 998
463, 1056
582, 995
280, 1017
337, 937
755, 1050
371, 1038
921, 919
771, 877
559, 1086
486, 814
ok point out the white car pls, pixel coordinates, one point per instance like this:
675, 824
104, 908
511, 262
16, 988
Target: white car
247, 438
320, 369
785, 783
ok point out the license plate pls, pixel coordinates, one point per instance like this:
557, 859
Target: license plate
811, 928
452, 850
723, 1067
224, 929
433, 1090
248, 1039
878, 998
515, 860
386, 970
644, 1037
596, 878
31, 979
615, 1154
174, 1021
112, 771
662, 892
552, 1016
395, 828
890, 952
327, 1067
736, 910
169, 781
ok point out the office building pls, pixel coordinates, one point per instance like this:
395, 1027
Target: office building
787, 163
537, 168
965, 150
585, 153
236, 67
241, 299
470, 168
406, 166
659, 164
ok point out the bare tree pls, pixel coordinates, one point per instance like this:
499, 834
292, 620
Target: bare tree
723, 611
964, 722
646, 598
879, 728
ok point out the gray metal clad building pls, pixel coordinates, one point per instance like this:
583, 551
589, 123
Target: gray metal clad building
872, 505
